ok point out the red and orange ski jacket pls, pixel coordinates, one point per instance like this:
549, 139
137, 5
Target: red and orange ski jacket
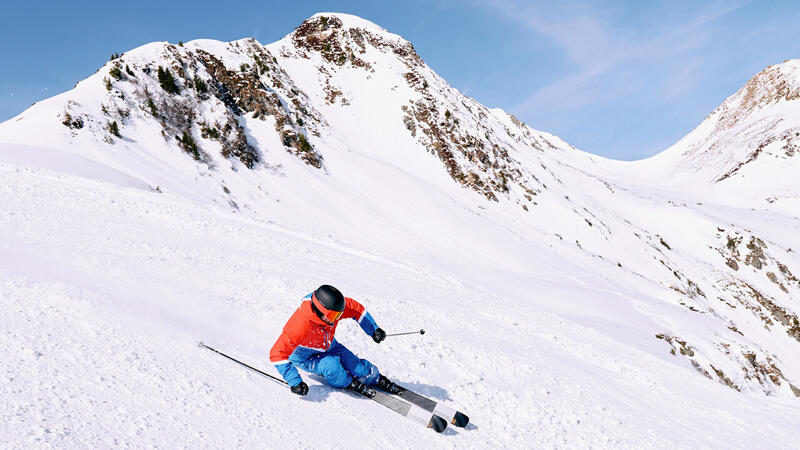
306, 335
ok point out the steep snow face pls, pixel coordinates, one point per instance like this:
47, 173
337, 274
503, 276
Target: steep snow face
748, 148
340, 134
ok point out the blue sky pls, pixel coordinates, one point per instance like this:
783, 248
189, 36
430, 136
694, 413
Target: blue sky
623, 79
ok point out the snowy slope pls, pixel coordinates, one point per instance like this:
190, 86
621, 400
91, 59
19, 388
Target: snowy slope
607, 306
98, 347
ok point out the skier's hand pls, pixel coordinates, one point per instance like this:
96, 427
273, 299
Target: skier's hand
378, 336
300, 389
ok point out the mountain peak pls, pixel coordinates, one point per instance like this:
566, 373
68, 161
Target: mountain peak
327, 23
768, 87
346, 21
343, 37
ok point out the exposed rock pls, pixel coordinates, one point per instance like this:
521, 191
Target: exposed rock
234, 143
243, 91
746, 292
326, 36
676, 344
787, 273
764, 372
756, 256
767, 87
73, 123
772, 277
724, 379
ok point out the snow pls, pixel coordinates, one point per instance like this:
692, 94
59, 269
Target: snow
101, 319
541, 323
66, 162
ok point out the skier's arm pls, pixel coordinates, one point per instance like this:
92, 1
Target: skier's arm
279, 356
356, 311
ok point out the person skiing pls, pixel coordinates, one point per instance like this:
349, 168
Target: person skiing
307, 342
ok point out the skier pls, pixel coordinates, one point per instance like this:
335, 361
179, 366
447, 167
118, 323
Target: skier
307, 342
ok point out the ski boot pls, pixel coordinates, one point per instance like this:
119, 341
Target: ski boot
387, 385
361, 388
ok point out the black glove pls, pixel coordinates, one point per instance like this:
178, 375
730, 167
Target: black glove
300, 389
378, 336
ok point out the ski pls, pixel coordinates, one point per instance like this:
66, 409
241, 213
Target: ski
408, 410
456, 418
405, 409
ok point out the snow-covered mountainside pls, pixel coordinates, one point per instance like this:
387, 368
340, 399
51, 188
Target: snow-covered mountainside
597, 302
746, 150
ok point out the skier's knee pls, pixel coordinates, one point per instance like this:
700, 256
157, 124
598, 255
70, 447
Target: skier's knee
329, 364
331, 368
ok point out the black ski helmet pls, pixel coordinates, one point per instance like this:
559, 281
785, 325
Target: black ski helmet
330, 298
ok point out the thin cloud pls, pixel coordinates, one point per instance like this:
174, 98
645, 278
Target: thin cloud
596, 43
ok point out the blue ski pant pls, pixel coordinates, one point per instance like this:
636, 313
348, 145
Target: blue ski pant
339, 365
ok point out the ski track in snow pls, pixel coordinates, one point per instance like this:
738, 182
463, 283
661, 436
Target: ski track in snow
105, 291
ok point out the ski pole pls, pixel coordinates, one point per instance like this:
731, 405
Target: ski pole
276, 379
410, 332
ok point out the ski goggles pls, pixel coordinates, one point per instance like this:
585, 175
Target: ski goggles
328, 314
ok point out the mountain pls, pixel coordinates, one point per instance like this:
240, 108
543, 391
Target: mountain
225, 180
746, 149
324, 71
